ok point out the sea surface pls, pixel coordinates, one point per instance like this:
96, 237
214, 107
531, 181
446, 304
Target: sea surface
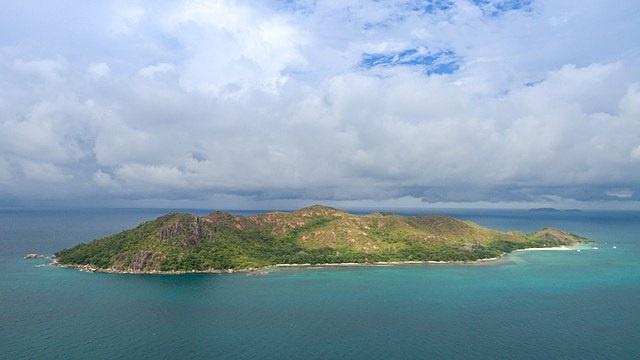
529, 305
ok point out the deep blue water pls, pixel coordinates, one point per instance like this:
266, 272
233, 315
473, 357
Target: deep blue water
531, 305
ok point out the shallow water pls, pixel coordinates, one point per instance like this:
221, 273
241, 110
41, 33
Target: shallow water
530, 305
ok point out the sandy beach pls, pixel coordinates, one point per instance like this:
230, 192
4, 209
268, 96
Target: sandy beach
555, 248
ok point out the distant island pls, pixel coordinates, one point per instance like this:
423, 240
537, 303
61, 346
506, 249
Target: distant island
549, 209
178, 243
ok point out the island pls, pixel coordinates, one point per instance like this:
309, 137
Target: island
180, 243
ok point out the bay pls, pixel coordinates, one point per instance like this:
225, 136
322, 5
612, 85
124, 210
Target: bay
529, 305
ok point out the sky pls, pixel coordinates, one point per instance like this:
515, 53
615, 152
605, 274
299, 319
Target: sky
280, 104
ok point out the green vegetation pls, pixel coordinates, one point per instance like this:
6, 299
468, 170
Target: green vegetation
314, 235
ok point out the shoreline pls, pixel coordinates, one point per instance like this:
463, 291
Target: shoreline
554, 248
264, 269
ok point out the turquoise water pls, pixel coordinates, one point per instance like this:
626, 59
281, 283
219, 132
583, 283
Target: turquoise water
531, 305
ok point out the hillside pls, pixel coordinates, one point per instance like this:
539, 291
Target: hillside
315, 235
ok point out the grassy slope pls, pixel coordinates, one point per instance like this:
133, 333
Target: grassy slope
315, 234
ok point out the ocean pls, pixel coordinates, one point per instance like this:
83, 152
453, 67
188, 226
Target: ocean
529, 305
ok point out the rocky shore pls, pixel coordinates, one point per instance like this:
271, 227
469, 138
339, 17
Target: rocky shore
264, 270
36, 256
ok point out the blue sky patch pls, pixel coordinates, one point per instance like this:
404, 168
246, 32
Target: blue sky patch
495, 8
440, 62
431, 6
444, 68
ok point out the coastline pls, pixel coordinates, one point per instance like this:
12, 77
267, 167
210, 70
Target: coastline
264, 270
555, 248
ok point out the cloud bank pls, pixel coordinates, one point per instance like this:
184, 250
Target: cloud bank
229, 102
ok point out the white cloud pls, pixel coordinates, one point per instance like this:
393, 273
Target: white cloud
56, 131
124, 19
103, 179
43, 172
6, 174
50, 70
157, 69
142, 176
620, 193
630, 103
231, 48
635, 153
98, 70
271, 101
